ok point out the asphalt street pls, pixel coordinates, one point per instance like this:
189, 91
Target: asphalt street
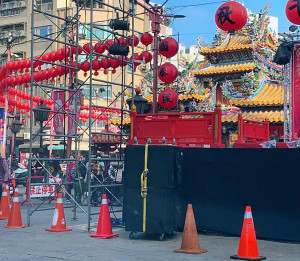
34, 243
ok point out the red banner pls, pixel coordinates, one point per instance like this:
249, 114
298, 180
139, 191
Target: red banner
58, 119
296, 92
74, 107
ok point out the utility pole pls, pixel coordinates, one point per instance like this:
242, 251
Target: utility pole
9, 43
157, 17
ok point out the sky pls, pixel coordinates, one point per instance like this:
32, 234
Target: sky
200, 20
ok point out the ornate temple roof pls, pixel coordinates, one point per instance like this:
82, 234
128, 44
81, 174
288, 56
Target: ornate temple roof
271, 116
269, 95
226, 68
233, 43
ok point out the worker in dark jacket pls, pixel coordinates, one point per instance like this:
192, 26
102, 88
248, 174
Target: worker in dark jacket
80, 178
3, 173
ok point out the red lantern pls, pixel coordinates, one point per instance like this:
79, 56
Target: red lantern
146, 56
124, 62
109, 43
15, 65
137, 59
105, 64
87, 48
231, 16
167, 73
45, 57
168, 99
292, 10
168, 47
85, 66
136, 41
122, 41
146, 39
137, 90
96, 65
59, 54
114, 64
74, 49
100, 47
52, 57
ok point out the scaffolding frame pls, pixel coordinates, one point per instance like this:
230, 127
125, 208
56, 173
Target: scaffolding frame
287, 104
72, 87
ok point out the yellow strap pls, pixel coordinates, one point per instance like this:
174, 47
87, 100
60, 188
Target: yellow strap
144, 187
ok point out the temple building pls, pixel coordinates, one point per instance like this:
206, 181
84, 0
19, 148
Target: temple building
238, 73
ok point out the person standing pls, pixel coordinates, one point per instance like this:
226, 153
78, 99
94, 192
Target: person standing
80, 178
4, 173
70, 177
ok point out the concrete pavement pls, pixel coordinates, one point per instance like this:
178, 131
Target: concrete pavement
34, 243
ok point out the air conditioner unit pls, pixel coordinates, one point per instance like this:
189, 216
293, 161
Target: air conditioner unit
26, 136
21, 4
22, 33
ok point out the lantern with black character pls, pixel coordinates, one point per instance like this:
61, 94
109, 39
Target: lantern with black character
168, 99
231, 16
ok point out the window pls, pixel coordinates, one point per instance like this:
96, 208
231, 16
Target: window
44, 5
88, 4
85, 31
44, 31
99, 91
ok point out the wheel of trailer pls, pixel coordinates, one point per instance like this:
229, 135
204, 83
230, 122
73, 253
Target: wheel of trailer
162, 236
131, 235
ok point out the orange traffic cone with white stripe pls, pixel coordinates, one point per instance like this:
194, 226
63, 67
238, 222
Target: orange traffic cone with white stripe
15, 218
190, 241
4, 205
59, 221
248, 249
8, 193
104, 229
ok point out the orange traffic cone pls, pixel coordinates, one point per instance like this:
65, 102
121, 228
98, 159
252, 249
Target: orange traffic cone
4, 205
15, 219
190, 240
104, 229
59, 221
8, 193
248, 249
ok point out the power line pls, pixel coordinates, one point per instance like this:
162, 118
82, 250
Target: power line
184, 6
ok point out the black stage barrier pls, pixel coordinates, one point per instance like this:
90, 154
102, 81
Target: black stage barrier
164, 177
220, 183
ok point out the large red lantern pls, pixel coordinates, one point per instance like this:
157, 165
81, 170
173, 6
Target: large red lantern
231, 16
146, 39
168, 99
167, 73
292, 11
168, 47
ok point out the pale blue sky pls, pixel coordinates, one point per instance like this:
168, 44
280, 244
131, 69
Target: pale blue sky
200, 20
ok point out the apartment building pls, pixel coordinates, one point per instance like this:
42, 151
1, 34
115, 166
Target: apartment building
15, 21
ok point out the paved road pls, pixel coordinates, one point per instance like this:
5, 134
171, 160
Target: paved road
33, 243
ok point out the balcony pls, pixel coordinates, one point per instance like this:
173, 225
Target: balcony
12, 8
